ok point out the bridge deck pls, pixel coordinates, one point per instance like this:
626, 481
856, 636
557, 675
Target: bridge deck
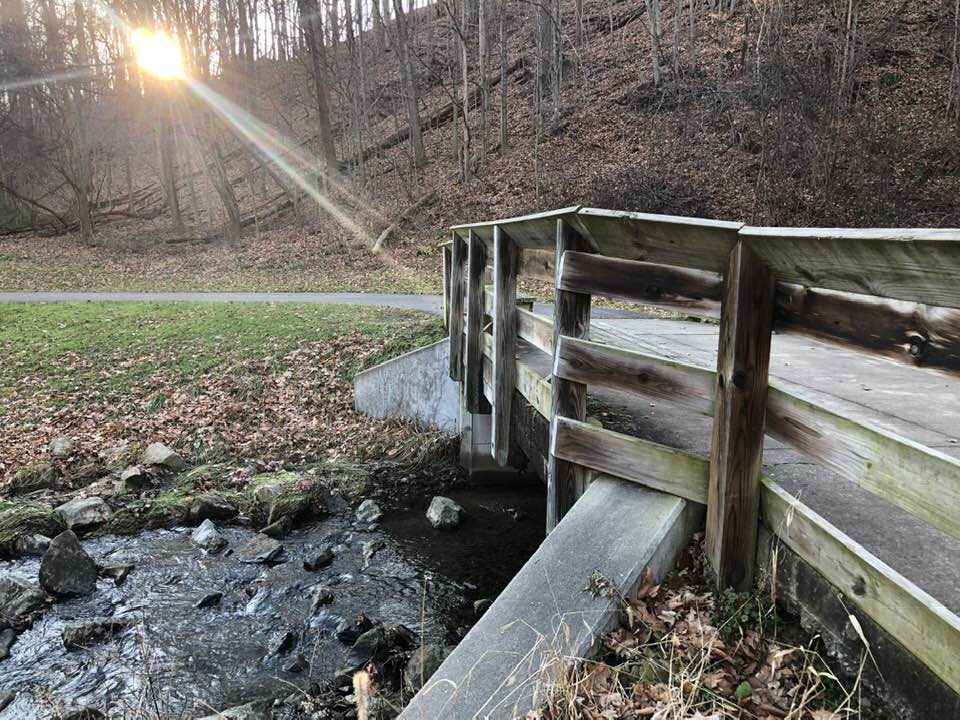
919, 404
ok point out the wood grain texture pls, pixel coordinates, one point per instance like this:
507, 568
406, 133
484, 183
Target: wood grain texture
535, 231
648, 463
736, 451
538, 265
685, 242
565, 482
445, 270
630, 371
457, 269
504, 340
920, 266
640, 281
920, 480
913, 333
534, 388
918, 621
535, 329
473, 367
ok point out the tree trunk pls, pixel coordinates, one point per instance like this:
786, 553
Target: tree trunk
311, 23
409, 80
504, 130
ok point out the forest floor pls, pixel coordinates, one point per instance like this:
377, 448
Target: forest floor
238, 389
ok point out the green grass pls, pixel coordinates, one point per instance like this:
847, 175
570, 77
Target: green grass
108, 348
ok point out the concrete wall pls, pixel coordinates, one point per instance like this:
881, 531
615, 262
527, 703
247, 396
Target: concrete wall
416, 385
544, 617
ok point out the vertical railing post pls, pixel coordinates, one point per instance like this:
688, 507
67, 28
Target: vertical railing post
473, 371
565, 481
736, 453
445, 268
457, 261
505, 258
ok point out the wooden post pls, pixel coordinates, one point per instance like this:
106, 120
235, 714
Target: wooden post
473, 371
743, 358
505, 257
457, 261
565, 481
445, 268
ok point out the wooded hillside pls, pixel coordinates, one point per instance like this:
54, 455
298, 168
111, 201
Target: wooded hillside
349, 118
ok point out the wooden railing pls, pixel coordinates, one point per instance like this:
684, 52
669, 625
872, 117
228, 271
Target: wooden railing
890, 292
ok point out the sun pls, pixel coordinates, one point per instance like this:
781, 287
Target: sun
157, 53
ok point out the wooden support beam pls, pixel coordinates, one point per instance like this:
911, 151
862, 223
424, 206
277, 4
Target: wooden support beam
736, 451
918, 621
473, 370
445, 268
457, 262
504, 340
565, 481
640, 281
631, 458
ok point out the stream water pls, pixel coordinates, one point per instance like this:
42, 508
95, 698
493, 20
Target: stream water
184, 661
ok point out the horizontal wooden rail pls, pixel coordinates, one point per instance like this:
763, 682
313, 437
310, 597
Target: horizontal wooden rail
631, 458
918, 621
640, 281
535, 329
618, 369
915, 265
920, 480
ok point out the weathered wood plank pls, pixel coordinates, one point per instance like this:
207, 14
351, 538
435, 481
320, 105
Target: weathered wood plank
613, 368
736, 451
534, 387
535, 329
504, 340
473, 370
914, 333
566, 482
537, 264
667, 239
920, 480
527, 231
920, 266
457, 262
641, 461
445, 269
921, 623
640, 281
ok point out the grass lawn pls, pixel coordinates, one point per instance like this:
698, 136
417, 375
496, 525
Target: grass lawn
255, 381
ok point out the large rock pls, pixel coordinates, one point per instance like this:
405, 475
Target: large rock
369, 512
66, 569
83, 513
207, 537
261, 549
133, 480
20, 602
34, 545
317, 558
61, 447
211, 506
6, 697
160, 454
423, 662
378, 645
279, 528
7, 637
444, 513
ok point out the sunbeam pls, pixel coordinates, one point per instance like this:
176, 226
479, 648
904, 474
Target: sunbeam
46, 80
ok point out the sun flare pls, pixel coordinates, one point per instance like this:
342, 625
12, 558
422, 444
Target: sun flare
157, 53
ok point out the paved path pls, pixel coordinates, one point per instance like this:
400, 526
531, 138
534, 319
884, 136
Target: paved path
425, 303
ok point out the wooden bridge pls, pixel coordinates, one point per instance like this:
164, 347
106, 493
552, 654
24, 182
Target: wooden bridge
865, 333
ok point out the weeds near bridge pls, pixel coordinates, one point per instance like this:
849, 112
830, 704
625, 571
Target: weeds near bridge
683, 652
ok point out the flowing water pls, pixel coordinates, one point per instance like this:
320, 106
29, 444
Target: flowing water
183, 661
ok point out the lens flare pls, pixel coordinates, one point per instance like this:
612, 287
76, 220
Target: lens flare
157, 53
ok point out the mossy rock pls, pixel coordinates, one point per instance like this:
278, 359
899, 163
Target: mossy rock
298, 496
351, 479
25, 517
38, 476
